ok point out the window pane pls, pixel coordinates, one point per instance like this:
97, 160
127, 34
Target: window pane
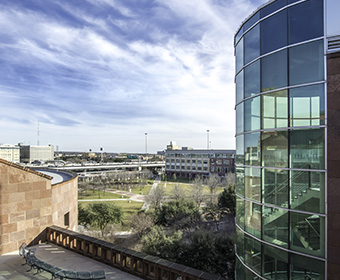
252, 79
239, 87
240, 149
239, 55
252, 21
238, 35
275, 226
276, 5
239, 118
307, 106
275, 109
307, 149
252, 183
305, 21
271, 39
307, 234
240, 180
275, 263
240, 212
252, 218
252, 119
307, 191
275, 187
252, 146
306, 63
252, 253
240, 243
252, 44
306, 268
275, 149
274, 71
239, 270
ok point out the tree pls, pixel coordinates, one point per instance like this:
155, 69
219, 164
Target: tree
103, 213
141, 223
178, 192
213, 182
155, 197
84, 216
197, 190
227, 200
180, 212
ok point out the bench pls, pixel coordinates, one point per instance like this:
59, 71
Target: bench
56, 272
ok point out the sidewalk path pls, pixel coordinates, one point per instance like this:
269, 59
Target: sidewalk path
146, 204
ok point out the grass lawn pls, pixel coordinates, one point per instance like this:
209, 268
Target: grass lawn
129, 210
89, 194
186, 188
145, 190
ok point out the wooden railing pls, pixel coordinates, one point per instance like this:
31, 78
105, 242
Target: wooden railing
136, 263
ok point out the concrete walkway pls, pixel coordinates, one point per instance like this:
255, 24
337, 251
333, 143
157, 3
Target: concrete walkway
11, 264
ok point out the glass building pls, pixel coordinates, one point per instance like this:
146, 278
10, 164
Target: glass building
287, 141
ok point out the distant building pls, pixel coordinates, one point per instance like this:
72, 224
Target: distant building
10, 153
30, 153
189, 163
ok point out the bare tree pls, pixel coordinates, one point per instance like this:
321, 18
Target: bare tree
178, 192
213, 183
197, 190
155, 197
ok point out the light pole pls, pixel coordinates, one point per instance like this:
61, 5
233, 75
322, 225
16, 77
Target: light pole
208, 139
146, 143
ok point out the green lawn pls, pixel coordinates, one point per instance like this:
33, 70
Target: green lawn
186, 188
145, 189
89, 194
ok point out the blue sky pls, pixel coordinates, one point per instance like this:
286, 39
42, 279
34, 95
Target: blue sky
101, 73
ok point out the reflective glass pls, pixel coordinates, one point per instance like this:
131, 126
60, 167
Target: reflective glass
276, 5
307, 191
252, 79
252, 218
252, 44
271, 39
240, 149
275, 263
239, 55
239, 270
239, 118
307, 149
306, 63
252, 253
274, 71
252, 118
240, 180
305, 21
275, 226
275, 109
240, 243
238, 35
307, 234
249, 275
275, 187
240, 212
250, 22
239, 87
307, 106
306, 268
252, 152
252, 183
275, 149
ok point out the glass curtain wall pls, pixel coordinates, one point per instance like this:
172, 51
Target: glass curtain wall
280, 142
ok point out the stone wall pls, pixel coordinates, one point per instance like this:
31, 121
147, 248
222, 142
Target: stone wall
333, 163
29, 204
65, 200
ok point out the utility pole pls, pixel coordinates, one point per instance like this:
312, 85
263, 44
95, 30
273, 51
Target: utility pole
208, 139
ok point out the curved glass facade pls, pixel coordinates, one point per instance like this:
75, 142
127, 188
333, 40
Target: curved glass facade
280, 142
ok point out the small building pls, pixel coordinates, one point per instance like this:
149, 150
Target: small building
189, 163
30, 153
10, 153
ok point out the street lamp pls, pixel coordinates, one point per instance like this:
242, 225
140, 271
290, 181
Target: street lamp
146, 143
208, 139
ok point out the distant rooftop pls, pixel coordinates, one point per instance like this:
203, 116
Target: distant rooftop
57, 176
